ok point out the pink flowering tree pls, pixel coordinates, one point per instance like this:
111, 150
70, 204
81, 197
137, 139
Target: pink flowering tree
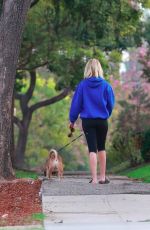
144, 58
133, 97
134, 86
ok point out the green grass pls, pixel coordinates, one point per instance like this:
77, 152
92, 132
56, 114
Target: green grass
38, 216
25, 174
142, 172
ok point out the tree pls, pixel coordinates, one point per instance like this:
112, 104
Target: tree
133, 118
12, 20
145, 62
27, 112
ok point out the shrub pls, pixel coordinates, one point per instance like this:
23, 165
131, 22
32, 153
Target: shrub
145, 149
123, 149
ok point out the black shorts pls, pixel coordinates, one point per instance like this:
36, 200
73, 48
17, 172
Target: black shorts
95, 130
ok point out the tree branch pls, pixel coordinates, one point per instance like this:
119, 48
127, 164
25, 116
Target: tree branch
17, 122
17, 95
29, 92
33, 67
33, 3
50, 101
27, 96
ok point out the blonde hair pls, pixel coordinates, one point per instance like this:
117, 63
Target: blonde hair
93, 68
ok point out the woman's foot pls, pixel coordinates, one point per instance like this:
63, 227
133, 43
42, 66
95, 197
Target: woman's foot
93, 181
105, 181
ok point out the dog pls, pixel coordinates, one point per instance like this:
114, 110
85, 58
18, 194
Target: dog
54, 164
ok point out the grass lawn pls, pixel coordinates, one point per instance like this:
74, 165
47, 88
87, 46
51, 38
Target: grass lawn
25, 174
142, 172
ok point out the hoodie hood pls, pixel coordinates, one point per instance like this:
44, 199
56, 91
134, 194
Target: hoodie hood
94, 82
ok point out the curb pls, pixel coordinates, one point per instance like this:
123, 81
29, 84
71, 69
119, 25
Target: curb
28, 227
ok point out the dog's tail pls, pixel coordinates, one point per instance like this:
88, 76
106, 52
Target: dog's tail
55, 153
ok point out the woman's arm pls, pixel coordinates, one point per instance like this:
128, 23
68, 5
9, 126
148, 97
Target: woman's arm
76, 104
110, 99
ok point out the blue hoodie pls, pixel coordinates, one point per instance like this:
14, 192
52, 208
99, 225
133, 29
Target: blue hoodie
93, 98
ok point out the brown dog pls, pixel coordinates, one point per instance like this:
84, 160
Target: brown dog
54, 164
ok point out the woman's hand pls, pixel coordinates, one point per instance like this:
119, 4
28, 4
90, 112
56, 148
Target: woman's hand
71, 126
72, 129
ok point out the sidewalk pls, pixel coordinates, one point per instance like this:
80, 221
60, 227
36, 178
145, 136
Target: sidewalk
74, 203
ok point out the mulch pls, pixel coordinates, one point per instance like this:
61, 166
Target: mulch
19, 200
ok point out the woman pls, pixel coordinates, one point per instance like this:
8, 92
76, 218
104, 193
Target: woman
94, 101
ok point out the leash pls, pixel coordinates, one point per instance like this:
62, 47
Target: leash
70, 142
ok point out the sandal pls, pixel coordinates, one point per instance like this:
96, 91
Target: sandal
106, 181
91, 181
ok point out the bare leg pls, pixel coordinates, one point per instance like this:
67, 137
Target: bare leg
50, 173
102, 164
93, 166
47, 173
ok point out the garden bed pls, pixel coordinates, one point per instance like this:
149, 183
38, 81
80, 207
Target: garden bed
20, 203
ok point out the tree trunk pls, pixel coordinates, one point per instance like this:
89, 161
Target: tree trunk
11, 26
22, 141
12, 132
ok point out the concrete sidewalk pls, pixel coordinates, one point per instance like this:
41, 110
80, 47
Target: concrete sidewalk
74, 204
79, 185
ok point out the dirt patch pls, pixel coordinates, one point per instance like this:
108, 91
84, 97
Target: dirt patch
19, 200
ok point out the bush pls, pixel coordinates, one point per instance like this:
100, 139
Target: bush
145, 149
123, 149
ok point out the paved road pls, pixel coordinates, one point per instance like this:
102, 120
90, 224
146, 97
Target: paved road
73, 203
